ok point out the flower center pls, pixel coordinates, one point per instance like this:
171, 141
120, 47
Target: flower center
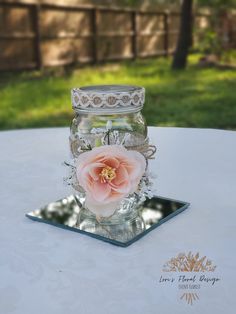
107, 174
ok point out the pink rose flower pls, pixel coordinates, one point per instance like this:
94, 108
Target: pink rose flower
108, 174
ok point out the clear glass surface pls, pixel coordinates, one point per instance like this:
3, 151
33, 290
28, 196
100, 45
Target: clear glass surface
84, 123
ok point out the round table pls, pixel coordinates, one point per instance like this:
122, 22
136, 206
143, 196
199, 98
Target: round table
44, 269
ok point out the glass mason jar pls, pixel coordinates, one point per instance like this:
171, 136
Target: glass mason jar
113, 110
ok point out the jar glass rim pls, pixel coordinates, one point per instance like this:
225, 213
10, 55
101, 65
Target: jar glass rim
109, 89
108, 97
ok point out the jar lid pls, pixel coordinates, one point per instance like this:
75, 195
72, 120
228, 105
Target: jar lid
108, 97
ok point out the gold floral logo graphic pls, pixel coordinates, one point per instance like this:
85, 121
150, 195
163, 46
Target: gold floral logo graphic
190, 272
189, 262
190, 297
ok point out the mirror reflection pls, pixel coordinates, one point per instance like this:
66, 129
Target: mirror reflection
68, 214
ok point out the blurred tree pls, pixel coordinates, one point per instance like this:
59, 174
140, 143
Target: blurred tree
186, 26
185, 35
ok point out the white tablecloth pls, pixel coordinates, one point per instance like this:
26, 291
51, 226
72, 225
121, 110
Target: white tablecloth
44, 269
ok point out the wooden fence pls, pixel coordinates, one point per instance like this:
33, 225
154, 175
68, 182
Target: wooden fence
33, 36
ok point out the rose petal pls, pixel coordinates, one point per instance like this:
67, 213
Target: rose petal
121, 176
102, 210
135, 165
95, 169
124, 187
111, 162
84, 179
115, 196
100, 191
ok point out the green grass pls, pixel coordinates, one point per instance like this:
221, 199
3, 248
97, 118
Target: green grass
193, 98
